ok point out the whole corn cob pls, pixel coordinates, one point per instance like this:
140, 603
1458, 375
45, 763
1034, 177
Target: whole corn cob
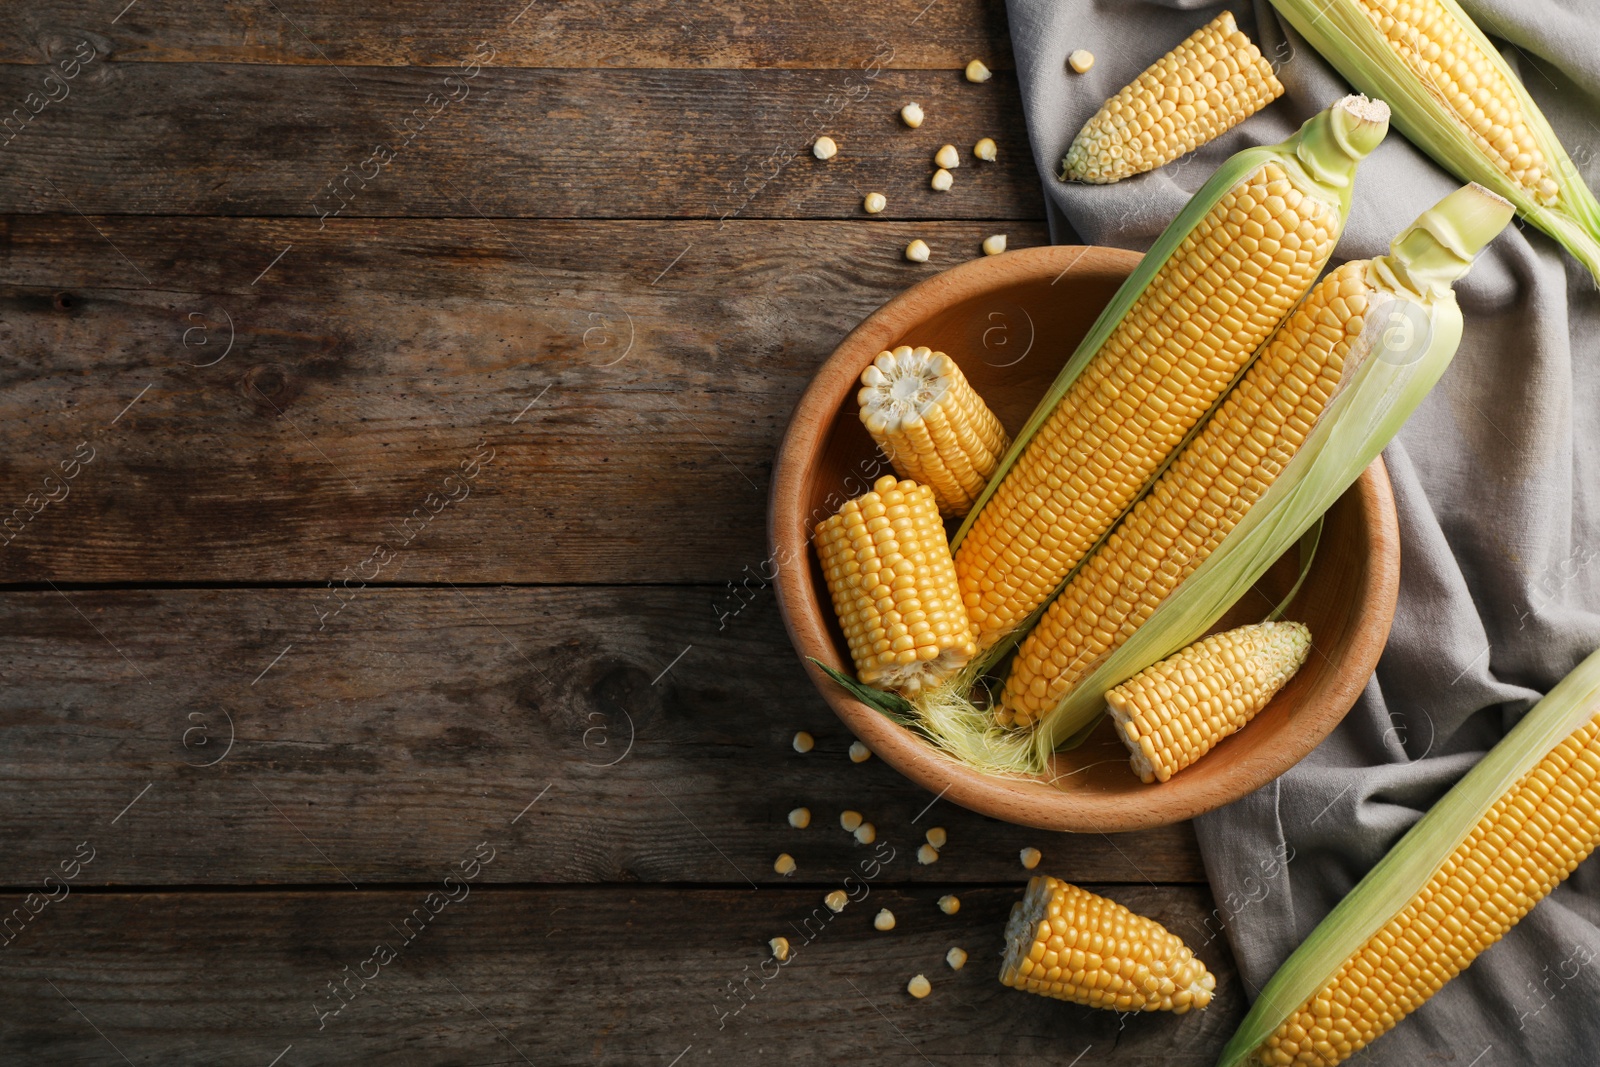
1207, 85
1254, 435
1494, 846
1173, 339
919, 408
893, 586
1457, 99
1173, 712
1071, 944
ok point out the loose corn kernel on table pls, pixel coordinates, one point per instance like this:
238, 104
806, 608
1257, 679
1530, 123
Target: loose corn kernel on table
400, 642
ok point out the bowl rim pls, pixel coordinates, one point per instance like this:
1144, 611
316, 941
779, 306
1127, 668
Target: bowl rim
1024, 801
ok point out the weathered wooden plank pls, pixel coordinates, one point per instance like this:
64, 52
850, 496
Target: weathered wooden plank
606, 734
374, 358
622, 33
560, 976
223, 139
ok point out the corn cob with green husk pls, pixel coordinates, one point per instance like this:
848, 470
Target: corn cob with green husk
1173, 712
1207, 85
1457, 99
1494, 846
1174, 337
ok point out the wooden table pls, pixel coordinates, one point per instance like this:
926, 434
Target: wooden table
388, 674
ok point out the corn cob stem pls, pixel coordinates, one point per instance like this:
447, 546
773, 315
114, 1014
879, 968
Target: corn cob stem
1210, 83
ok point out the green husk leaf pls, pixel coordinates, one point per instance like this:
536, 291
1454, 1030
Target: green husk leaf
1408, 866
896, 707
1343, 35
1308, 555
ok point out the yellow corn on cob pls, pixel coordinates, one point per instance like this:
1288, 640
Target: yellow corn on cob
1071, 944
1198, 501
893, 586
1173, 712
934, 428
1210, 303
1492, 848
1204, 87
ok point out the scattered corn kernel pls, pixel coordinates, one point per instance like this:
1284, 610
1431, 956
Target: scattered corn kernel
927, 854
942, 181
824, 148
866, 833
986, 150
884, 920
874, 203
994, 245
836, 900
1081, 60
859, 753
947, 157
784, 864
977, 72
780, 948
800, 818
949, 904
956, 958
911, 114
919, 987
850, 820
1031, 858
917, 251
803, 742
937, 837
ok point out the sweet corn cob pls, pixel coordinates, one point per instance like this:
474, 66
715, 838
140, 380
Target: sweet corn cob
1493, 847
1457, 99
1230, 268
1172, 713
1204, 87
893, 585
926, 418
1071, 944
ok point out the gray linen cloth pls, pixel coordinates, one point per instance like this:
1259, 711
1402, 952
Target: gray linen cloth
1496, 477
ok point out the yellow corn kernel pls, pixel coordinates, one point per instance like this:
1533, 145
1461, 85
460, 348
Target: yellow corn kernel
1210, 83
1173, 712
1071, 944
1198, 500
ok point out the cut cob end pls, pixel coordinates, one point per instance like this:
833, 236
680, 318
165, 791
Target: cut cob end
1334, 140
1439, 247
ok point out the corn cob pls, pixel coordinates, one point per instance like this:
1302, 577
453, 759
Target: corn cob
1172, 713
1071, 944
1201, 89
1175, 337
919, 408
1242, 449
1457, 99
1495, 845
893, 585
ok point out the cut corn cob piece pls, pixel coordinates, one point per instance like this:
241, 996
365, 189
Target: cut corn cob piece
1411, 327
1178, 332
1489, 850
893, 586
1457, 99
1207, 85
918, 406
1071, 944
1173, 712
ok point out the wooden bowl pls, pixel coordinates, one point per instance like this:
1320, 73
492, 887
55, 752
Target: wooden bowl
1010, 321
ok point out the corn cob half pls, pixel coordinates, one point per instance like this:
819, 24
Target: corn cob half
1176, 335
893, 585
1494, 846
933, 427
1207, 85
1458, 100
1071, 944
1173, 712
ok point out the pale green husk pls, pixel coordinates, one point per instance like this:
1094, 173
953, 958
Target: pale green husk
1342, 33
1412, 862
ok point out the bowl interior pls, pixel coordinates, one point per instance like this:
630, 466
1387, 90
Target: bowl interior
1011, 322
